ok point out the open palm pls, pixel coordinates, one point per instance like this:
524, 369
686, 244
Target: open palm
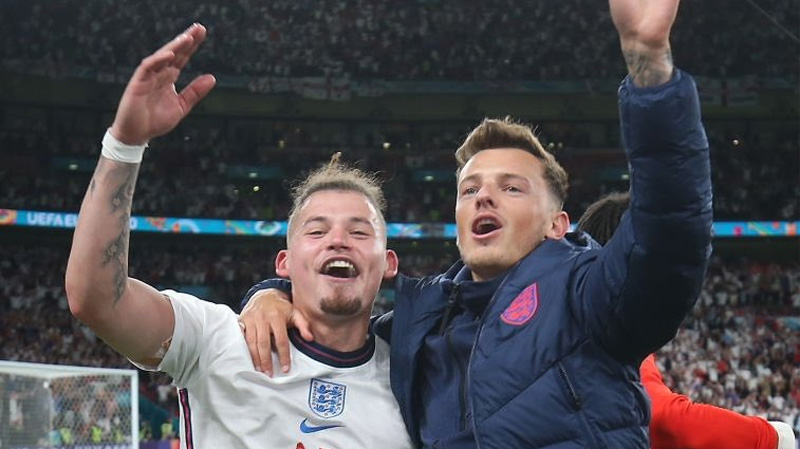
150, 105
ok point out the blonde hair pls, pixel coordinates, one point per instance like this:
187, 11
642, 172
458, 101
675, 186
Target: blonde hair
337, 175
506, 133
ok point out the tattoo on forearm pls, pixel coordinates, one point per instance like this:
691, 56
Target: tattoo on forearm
123, 196
115, 253
648, 70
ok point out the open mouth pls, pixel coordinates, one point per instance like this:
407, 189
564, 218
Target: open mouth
485, 226
340, 268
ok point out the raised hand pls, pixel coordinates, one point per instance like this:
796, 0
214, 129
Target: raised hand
264, 322
150, 105
644, 27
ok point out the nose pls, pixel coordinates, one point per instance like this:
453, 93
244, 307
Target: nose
339, 238
485, 197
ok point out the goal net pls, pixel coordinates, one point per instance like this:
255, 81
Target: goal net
57, 406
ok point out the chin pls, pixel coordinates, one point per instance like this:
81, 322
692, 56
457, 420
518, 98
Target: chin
487, 265
343, 307
484, 257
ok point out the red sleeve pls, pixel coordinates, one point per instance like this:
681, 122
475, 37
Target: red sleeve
678, 423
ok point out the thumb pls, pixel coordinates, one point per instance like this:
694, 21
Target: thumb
196, 91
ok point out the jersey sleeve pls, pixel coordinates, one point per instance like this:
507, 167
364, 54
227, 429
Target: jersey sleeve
194, 340
679, 423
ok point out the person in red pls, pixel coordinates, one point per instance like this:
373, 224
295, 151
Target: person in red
677, 422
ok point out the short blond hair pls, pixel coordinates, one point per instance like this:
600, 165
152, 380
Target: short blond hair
337, 175
507, 133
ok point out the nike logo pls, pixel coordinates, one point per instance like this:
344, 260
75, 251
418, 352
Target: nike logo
305, 428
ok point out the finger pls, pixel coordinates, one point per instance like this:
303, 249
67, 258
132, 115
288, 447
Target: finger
196, 91
265, 351
251, 337
301, 323
180, 43
198, 34
281, 342
153, 64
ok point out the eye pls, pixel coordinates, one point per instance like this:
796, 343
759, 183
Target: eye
315, 232
512, 189
469, 191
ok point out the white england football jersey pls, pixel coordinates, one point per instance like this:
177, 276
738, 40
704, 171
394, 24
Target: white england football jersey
328, 400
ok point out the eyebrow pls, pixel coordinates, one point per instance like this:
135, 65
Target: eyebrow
503, 177
324, 220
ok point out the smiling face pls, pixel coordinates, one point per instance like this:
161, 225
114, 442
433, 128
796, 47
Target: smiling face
336, 255
504, 210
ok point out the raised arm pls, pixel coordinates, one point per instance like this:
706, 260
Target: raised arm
648, 276
129, 315
644, 27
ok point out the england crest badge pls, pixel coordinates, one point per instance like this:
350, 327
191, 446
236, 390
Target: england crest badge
326, 399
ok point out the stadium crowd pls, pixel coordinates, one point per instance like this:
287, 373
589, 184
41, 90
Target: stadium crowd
376, 39
740, 349
202, 169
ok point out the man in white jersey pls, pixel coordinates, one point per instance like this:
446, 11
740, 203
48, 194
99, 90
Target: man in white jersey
337, 393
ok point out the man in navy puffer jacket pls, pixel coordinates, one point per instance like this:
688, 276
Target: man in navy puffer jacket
534, 339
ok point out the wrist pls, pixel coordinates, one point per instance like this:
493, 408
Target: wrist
648, 66
118, 151
125, 138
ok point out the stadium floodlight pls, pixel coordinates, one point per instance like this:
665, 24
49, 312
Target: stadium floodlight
57, 406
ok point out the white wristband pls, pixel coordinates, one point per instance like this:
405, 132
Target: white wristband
117, 151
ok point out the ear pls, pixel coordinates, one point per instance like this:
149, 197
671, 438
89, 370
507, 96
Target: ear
559, 227
391, 265
282, 263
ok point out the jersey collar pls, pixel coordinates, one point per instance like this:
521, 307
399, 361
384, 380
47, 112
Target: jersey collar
331, 357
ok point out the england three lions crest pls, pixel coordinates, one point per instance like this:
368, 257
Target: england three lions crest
326, 399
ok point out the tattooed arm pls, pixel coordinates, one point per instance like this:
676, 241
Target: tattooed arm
644, 27
131, 316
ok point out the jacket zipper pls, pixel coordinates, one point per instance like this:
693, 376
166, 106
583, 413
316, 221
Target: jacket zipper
462, 382
576, 401
475, 344
451, 304
446, 330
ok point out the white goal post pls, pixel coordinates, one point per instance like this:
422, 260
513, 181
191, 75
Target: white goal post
59, 406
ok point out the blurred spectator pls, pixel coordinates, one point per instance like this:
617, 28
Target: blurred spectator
736, 350
363, 39
201, 169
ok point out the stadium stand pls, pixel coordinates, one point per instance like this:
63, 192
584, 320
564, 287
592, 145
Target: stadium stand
443, 40
202, 169
740, 349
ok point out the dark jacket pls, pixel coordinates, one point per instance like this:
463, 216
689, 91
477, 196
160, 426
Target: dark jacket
555, 362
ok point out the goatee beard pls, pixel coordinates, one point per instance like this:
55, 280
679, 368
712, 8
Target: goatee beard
341, 306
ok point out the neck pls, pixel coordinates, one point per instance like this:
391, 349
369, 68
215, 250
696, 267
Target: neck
342, 336
483, 274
